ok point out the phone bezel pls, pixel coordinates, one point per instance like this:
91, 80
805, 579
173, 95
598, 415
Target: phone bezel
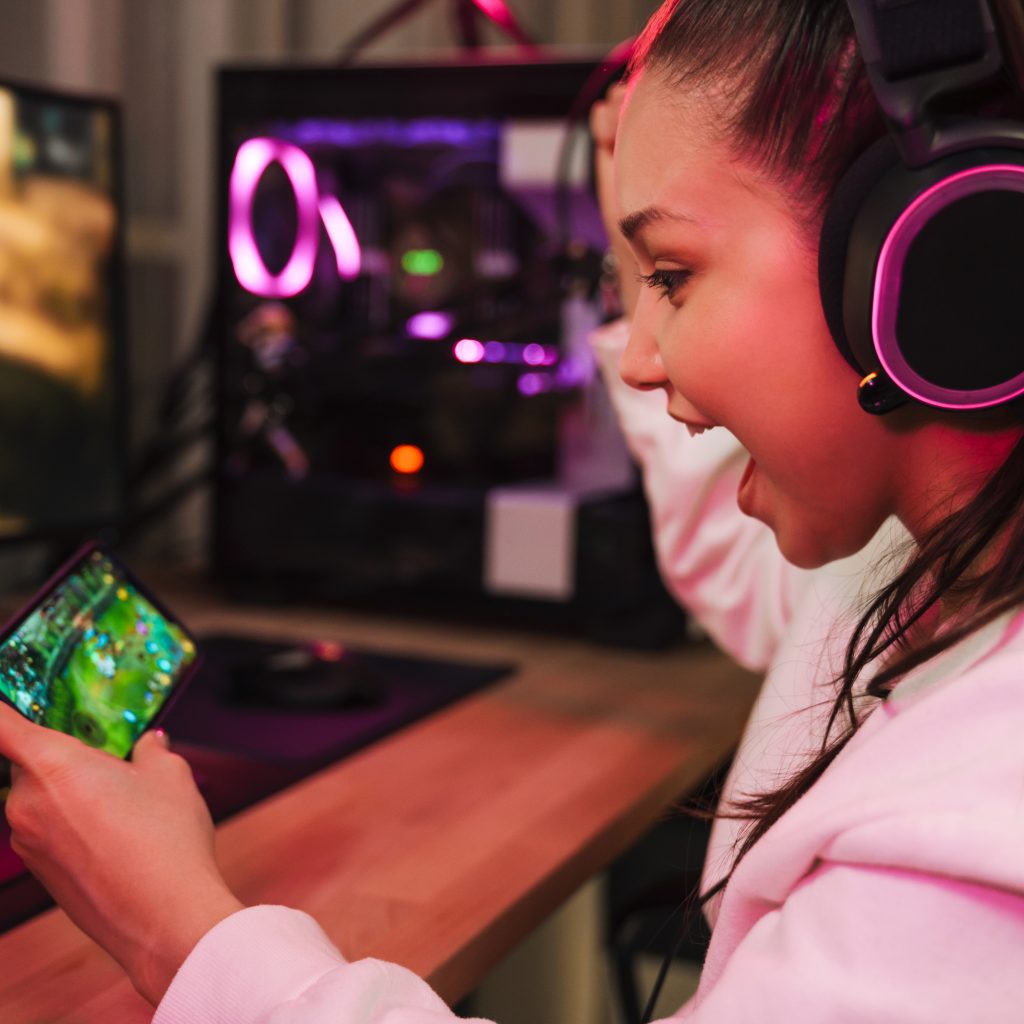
58, 577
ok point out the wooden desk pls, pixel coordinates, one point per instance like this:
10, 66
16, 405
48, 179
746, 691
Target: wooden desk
443, 846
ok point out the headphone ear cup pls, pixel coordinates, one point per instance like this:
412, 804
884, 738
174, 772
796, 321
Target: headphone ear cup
844, 206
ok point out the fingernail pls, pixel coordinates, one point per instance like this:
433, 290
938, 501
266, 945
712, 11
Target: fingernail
162, 736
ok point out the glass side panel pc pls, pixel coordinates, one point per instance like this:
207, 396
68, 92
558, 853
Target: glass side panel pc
398, 276
60, 411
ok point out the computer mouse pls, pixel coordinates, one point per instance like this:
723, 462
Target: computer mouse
308, 677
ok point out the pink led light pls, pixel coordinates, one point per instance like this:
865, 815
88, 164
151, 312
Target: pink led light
430, 325
494, 9
889, 273
468, 350
533, 355
343, 238
252, 159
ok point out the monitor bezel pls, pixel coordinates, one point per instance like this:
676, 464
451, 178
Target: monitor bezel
68, 535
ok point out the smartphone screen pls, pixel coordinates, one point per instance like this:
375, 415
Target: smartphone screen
94, 656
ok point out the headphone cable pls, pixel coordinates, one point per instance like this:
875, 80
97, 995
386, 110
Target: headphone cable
652, 999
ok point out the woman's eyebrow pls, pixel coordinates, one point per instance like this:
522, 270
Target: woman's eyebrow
633, 223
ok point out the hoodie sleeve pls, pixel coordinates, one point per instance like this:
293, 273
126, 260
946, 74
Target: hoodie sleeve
274, 965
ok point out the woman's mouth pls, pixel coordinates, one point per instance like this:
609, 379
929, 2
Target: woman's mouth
694, 428
743, 492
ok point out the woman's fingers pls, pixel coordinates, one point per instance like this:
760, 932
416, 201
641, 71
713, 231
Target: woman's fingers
604, 121
604, 116
126, 848
16, 734
151, 746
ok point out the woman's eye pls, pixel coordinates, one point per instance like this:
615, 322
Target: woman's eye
668, 282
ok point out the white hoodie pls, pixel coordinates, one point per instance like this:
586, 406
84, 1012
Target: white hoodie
893, 891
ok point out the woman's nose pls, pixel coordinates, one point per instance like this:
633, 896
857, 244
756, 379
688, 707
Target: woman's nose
641, 366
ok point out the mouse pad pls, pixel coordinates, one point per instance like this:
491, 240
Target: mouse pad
208, 712
254, 750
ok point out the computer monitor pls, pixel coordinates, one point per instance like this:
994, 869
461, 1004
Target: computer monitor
62, 416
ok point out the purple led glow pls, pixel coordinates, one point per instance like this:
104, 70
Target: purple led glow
533, 355
468, 350
574, 373
252, 159
375, 132
530, 384
343, 239
430, 325
539, 355
508, 352
888, 278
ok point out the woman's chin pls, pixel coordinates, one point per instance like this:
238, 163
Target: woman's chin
809, 550
800, 542
803, 555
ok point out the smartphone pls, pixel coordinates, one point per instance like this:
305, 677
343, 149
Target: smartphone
95, 655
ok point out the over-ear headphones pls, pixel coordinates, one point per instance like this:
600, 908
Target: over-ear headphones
921, 263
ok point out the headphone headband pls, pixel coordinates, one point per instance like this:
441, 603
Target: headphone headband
918, 50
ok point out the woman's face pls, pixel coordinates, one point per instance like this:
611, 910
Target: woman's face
731, 328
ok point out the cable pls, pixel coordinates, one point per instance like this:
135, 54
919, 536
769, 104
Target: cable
376, 28
202, 349
165, 450
466, 12
173, 409
652, 999
169, 499
700, 802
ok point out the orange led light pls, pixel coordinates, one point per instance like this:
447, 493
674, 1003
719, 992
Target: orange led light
407, 458
868, 379
325, 650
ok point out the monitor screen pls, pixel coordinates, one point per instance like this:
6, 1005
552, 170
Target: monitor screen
60, 439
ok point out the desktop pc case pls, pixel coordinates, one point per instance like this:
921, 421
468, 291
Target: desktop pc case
408, 415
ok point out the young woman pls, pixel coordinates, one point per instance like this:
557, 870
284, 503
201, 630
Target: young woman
869, 865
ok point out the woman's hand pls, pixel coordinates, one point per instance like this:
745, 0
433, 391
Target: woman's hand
126, 848
604, 120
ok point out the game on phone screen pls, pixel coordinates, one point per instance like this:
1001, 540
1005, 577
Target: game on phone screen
96, 658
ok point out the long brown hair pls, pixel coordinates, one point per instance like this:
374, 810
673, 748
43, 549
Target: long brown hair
801, 106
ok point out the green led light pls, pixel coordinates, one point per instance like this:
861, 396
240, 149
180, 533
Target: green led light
23, 151
423, 262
